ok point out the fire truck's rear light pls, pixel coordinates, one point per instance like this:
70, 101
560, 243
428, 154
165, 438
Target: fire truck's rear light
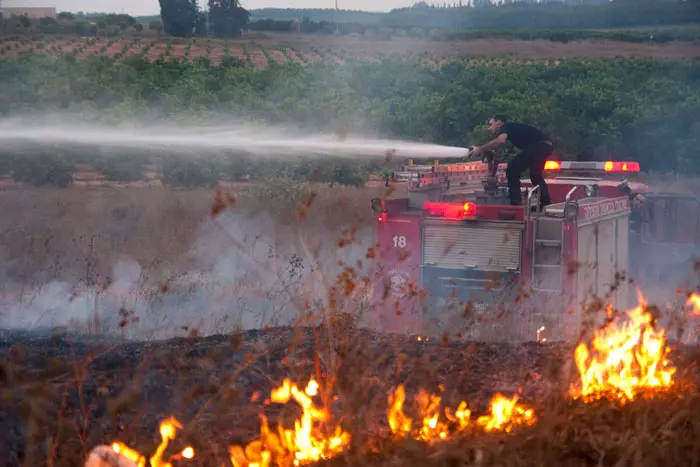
469, 209
552, 165
611, 166
630, 167
451, 210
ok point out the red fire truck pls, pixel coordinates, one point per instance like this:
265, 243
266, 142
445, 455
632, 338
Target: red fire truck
455, 256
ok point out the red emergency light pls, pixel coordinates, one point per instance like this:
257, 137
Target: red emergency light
607, 166
552, 165
451, 210
611, 166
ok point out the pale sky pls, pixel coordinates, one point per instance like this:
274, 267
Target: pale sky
151, 7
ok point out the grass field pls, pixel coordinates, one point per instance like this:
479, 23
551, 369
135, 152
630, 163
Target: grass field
52, 225
262, 49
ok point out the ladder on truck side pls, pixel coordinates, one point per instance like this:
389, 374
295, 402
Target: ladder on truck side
547, 246
547, 251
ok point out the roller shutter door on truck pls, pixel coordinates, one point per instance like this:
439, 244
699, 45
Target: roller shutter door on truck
602, 253
486, 246
622, 226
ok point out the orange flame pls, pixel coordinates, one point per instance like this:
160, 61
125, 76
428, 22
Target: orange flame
429, 405
505, 415
168, 430
399, 423
131, 454
694, 302
624, 359
302, 445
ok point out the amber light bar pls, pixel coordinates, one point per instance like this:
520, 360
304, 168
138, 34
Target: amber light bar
607, 166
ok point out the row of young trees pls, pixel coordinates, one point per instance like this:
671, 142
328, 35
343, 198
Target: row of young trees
183, 18
70, 24
37, 167
636, 109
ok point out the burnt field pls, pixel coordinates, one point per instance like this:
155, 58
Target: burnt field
62, 395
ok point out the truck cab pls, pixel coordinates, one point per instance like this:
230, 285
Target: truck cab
456, 257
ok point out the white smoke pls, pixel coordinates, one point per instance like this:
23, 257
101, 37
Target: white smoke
249, 272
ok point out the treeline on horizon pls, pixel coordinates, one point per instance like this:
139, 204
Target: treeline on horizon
548, 21
508, 16
551, 21
625, 109
555, 21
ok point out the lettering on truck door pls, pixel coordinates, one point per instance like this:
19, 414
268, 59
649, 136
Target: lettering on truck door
603, 208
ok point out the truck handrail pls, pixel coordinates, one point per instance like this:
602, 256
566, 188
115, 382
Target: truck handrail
528, 248
568, 198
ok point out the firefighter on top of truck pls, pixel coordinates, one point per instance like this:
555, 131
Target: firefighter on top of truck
534, 147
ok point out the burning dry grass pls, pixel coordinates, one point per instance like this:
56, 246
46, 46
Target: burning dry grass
661, 431
505, 414
624, 401
301, 445
630, 367
66, 396
624, 358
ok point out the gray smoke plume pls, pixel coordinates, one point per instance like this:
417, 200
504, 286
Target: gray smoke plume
249, 272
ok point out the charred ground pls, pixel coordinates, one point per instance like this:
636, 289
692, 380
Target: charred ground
63, 394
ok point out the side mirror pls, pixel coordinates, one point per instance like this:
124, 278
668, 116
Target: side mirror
377, 205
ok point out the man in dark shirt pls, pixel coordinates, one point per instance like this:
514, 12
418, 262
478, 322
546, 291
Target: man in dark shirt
534, 147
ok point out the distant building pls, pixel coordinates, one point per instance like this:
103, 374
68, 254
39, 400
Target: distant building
29, 12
